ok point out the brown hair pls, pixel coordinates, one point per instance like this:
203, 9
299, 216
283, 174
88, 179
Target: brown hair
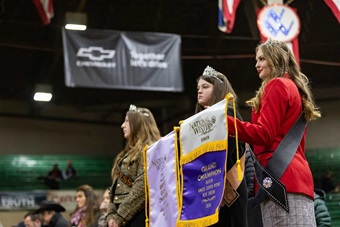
91, 203
221, 87
144, 131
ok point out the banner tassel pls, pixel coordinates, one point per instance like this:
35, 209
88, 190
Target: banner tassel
145, 188
238, 162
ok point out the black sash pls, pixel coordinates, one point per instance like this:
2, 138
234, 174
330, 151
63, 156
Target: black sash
268, 178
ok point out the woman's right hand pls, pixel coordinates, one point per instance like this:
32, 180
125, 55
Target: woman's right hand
112, 223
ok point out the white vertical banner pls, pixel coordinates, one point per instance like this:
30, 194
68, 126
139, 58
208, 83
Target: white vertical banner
161, 181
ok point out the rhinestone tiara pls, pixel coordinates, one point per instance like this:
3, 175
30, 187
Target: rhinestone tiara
135, 109
132, 108
273, 42
211, 72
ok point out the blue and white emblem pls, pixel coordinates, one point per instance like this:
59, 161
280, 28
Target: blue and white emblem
279, 22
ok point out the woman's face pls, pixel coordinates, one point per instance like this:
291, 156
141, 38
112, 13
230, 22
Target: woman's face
106, 200
204, 92
80, 199
262, 66
126, 128
46, 216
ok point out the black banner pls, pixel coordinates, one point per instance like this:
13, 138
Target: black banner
122, 60
21, 200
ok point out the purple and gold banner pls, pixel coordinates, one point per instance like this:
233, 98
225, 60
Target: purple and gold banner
203, 186
203, 157
185, 185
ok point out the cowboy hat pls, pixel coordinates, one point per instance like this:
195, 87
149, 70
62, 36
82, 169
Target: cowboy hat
50, 205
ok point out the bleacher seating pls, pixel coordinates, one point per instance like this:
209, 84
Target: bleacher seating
333, 205
321, 161
21, 172
25, 172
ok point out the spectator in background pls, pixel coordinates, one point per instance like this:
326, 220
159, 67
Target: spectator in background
50, 214
327, 183
70, 171
32, 220
86, 213
20, 224
103, 208
322, 216
54, 177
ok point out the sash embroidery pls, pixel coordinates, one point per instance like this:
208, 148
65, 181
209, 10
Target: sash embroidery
124, 178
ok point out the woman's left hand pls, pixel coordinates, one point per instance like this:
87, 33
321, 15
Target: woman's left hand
112, 223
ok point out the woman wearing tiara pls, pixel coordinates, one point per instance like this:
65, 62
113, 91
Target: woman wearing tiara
212, 87
127, 196
278, 103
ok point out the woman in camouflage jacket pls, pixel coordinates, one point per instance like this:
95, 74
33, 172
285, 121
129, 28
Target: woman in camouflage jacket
127, 196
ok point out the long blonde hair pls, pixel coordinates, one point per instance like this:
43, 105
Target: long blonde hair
143, 131
281, 59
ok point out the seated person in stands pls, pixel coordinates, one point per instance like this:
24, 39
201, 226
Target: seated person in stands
54, 177
104, 207
50, 216
32, 220
322, 216
86, 212
327, 182
70, 171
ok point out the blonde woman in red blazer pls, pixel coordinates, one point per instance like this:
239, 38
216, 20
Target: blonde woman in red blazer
282, 96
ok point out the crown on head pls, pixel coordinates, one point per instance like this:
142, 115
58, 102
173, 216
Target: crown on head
269, 41
274, 43
132, 108
210, 72
135, 109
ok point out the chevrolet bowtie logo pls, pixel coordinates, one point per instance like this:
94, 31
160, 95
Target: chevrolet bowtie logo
95, 53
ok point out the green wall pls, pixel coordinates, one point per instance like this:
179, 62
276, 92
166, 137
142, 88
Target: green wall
24, 172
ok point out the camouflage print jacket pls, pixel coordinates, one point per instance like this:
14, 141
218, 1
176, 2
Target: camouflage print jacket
127, 196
